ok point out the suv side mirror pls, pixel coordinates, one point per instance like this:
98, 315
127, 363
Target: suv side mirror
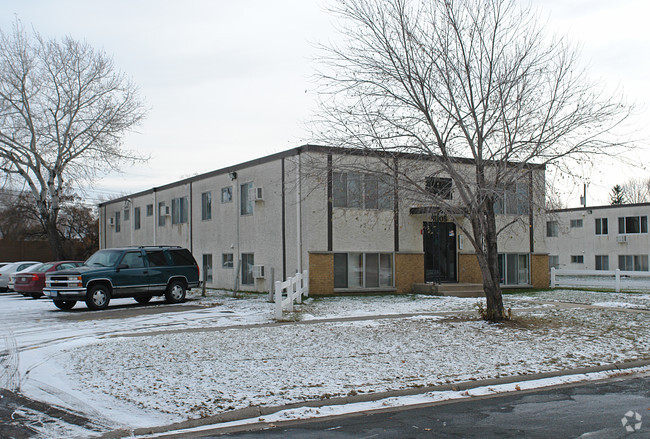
122, 266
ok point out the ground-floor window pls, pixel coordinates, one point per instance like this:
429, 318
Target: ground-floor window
207, 267
363, 270
602, 262
633, 262
553, 261
247, 262
514, 268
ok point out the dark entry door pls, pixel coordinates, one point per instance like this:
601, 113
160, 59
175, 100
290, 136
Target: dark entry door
439, 252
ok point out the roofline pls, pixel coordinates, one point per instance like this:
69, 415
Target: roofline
292, 152
607, 206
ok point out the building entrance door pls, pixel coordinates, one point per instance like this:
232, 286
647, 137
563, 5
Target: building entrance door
439, 252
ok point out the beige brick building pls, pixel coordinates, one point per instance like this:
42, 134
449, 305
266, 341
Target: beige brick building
322, 209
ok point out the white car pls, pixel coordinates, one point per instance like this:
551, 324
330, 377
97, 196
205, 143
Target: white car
10, 269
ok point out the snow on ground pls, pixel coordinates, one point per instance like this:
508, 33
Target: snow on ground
214, 354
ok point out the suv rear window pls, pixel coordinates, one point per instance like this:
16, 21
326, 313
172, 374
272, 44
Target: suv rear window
156, 258
182, 257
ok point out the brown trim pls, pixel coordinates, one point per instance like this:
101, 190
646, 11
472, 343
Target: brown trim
330, 203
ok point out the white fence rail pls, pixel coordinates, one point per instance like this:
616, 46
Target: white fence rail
610, 279
295, 287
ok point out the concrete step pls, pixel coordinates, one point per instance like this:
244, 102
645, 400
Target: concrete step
450, 289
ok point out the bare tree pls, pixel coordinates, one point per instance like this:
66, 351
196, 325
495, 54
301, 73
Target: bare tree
63, 111
637, 190
457, 82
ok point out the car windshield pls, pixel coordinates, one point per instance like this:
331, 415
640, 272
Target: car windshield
42, 268
104, 258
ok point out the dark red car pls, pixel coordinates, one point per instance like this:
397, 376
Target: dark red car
32, 283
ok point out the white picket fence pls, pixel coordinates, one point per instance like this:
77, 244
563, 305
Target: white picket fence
608, 279
292, 289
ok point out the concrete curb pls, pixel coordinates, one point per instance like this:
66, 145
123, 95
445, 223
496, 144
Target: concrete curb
256, 412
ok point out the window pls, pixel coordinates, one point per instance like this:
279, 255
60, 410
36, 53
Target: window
633, 224
513, 200
118, 224
247, 262
156, 258
161, 213
601, 227
602, 262
149, 209
246, 205
133, 260
553, 261
206, 206
363, 270
577, 259
179, 210
633, 262
126, 214
226, 260
552, 229
514, 268
361, 191
576, 223
136, 218
182, 256
226, 194
207, 268
440, 187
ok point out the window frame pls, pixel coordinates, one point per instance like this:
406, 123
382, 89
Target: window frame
601, 262
226, 190
364, 270
137, 223
601, 226
247, 262
207, 267
552, 229
625, 223
227, 260
245, 202
179, 210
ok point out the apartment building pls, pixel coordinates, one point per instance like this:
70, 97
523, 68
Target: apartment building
309, 208
599, 237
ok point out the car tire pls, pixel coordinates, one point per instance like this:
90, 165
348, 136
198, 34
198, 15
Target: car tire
65, 304
175, 292
98, 297
36, 295
143, 299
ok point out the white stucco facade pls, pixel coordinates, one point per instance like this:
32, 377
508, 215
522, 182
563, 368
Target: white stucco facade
296, 224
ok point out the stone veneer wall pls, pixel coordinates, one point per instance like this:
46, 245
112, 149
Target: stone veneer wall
409, 269
321, 274
470, 272
540, 275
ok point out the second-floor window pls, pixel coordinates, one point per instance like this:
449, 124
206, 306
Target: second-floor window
576, 223
179, 210
206, 206
601, 226
513, 200
552, 229
440, 187
361, 191
118, 225
136, 218
246, 205
632, 224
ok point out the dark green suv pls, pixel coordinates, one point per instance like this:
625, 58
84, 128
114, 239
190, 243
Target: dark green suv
138, 272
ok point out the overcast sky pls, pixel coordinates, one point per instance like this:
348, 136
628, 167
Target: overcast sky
230, 81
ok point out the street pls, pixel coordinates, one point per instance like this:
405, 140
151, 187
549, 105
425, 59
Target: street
593, 410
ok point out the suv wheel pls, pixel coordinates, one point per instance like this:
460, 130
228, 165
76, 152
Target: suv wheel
175, 292
98, 297
65, 304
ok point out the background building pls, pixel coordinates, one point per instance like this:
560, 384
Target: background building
599, 238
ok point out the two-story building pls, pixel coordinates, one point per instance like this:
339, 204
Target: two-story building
354, 230
599, 237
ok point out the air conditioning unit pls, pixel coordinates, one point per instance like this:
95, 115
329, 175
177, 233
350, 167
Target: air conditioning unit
256, 194
621, 238
258, 271
111, 222
164, 211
